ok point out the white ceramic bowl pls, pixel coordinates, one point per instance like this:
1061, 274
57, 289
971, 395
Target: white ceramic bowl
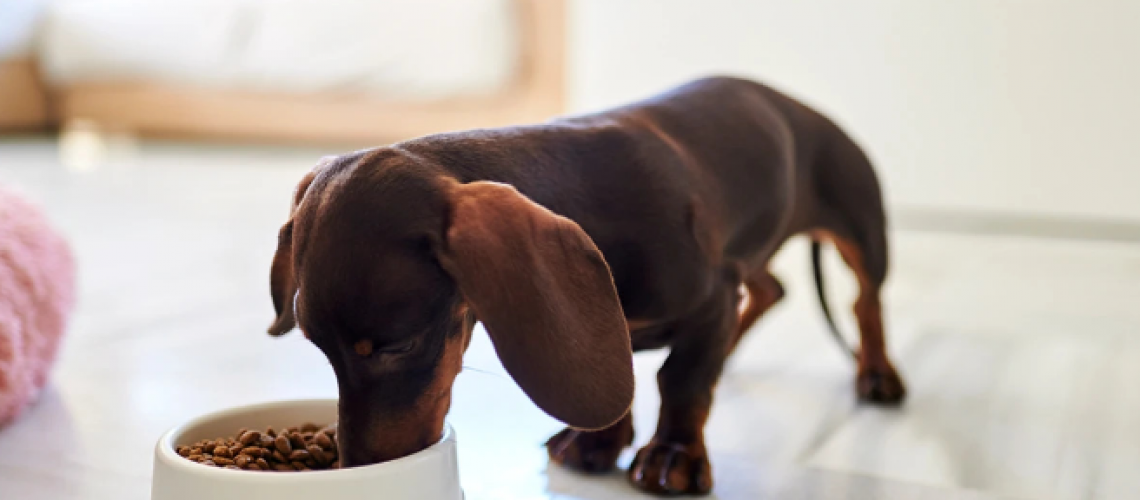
431, 474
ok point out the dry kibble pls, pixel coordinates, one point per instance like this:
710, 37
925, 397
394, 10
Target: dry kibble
308, 447
318, 454
297, 440
283, 445
323, 440
249, 437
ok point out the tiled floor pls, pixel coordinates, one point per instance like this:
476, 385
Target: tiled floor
1022, 355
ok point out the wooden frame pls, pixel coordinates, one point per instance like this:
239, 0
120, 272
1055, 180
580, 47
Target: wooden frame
148, 108
23, 98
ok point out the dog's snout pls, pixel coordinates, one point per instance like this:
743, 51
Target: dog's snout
375, 441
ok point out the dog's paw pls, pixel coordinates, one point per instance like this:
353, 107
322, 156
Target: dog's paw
671, 469
592, 452
880, 385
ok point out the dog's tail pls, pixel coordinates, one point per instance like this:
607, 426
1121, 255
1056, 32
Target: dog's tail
817, 270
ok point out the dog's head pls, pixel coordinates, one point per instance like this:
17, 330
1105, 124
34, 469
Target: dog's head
386, 263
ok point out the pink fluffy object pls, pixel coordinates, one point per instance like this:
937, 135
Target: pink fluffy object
37, 291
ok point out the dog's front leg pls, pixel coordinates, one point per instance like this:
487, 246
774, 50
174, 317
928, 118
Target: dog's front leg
593, 452
675, 460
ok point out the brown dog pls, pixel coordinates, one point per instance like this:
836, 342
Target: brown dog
575, 241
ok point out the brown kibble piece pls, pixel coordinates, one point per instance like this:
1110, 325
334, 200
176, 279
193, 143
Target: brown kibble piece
310, 427
298, 455
249, 437
321, 439
183, 451
299, 466
266, 441
283, 445
283, 468
318, 454
242, 460
263, 464
297, 440
233, 467
222, 451
223, 461
196, 458
278, 456
253, 466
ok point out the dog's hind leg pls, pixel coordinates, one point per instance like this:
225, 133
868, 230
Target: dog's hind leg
852, 217
763, 292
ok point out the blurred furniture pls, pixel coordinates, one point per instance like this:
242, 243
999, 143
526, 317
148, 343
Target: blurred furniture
23, 98
304, 70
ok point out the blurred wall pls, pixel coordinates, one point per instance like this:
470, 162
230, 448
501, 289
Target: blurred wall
1022, 107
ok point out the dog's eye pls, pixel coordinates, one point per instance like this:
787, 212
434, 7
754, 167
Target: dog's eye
366, 348
399, 348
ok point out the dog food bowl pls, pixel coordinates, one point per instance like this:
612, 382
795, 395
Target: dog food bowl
431, 474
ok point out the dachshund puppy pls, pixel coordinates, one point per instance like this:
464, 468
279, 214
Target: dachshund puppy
575, 242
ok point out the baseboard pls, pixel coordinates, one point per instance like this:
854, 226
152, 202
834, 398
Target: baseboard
1040, 226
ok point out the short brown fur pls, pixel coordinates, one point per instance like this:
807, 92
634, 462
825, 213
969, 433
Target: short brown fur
575, 242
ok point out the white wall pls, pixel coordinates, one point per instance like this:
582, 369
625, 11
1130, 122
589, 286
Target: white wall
1025, 107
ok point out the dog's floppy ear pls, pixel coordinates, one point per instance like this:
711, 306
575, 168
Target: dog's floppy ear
281, 282
545, 295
